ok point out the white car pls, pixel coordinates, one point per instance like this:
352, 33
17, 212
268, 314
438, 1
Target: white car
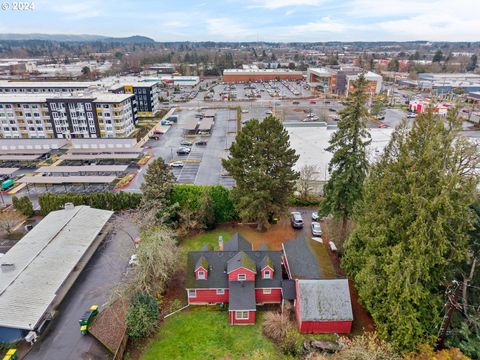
411, 115
133, 260
269, 112
316, 229
244, 111
315, 215
176, 164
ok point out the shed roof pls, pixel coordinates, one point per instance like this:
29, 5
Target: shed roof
14, 157
206, 124
324, 300
8, 171
191, 124
289, 291
41, 262
99, 156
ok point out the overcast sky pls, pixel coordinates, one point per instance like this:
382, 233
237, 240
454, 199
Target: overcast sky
251, 20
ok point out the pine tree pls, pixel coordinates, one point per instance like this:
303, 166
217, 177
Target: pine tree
261, 162
349, 164
157, 189
412, 228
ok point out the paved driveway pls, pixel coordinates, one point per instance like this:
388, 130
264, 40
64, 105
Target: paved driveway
62, 339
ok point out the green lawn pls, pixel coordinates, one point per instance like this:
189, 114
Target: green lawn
203, 333
210, 237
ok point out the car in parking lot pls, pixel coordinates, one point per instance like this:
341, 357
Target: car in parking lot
315, 216
411, 115
313, 102
296, 220
296, 102
176, 164
201, 143
244, 111
269, 112
186, 143
316, 229
183, 151
332, 110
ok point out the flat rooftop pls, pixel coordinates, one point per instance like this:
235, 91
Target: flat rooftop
80, 169
14, 157
43, 84
59, 180
102, 156
8, 171
35, 268
260, 71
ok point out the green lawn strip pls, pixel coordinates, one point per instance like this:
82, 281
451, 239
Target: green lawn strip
204, 333
210, 237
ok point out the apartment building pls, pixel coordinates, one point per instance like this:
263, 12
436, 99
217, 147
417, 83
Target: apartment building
44, 87
25, 116
83, 115
146, 96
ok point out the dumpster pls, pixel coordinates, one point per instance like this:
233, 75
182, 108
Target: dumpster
87, 319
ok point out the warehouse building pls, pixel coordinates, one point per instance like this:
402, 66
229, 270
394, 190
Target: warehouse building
445, 83
245, 75
39, 270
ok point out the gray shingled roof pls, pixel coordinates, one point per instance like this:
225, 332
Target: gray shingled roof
266, 261
241, 295
217, 273
324, 300
289, 290
303, 264
203, 262
236, 243
241, 260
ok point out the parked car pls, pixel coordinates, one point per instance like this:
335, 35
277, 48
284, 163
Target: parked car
327, 102
332, 110
411, 115
269, 112
183, 151
313, 102
176, 164
201, 143
244, 111
296, 220
316, 229
186, 143
315, 216
296, 102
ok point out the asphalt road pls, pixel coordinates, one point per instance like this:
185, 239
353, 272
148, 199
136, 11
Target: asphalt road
62, 339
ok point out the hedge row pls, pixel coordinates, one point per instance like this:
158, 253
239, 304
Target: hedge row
101, 200
188, 196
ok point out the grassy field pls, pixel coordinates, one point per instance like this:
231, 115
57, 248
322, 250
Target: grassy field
203, 333
211, 238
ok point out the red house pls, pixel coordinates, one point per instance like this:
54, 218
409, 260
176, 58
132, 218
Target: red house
243, 278
236, 275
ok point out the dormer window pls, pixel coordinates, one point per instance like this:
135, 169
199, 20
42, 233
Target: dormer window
201, 275
267, 274
241, 277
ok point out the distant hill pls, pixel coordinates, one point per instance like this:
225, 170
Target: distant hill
77, 38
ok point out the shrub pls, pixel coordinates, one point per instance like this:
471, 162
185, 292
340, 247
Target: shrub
292, 343
142, 316
107, 200
23, 205
275, 325
305, 201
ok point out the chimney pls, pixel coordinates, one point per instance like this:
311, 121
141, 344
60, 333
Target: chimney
220, 243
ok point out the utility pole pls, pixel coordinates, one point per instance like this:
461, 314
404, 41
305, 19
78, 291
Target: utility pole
452, 295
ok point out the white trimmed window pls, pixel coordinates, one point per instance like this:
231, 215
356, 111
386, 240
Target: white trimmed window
220, 291
201, 275
267, 274
241, 315
267, 291
241, 277
192, 293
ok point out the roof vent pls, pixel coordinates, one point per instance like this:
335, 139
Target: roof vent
68, 206
6, 267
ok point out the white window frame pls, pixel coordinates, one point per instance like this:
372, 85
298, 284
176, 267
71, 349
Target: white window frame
267, 291
201, 275
192, 293
220, 292
265, 274
240, 315
244, 277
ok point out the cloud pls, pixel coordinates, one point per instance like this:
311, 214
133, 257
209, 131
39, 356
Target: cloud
325, 25
277, 4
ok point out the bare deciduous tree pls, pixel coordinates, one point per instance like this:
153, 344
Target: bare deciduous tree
8, 220
308, 175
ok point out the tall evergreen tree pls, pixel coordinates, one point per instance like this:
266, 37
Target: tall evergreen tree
412, 228
349, 164
157, 189
261, 162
